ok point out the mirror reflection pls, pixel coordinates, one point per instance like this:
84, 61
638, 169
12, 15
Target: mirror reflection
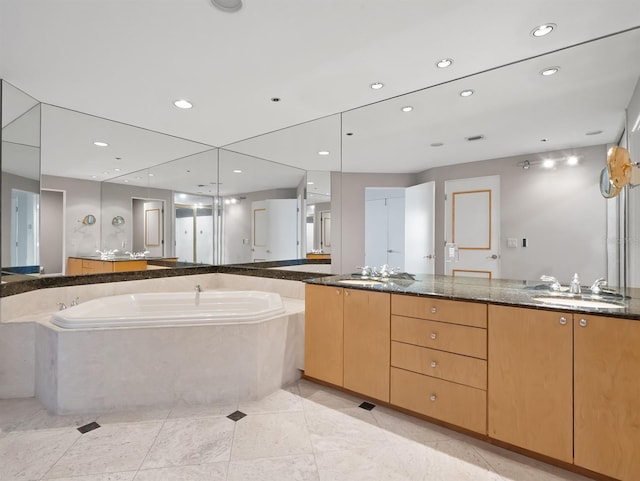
20, 181
515, 157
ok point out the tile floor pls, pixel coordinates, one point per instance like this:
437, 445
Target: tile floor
305, 432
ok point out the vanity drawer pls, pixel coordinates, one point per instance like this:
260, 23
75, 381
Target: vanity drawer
456, 312
468, 341
443, 365
453, 403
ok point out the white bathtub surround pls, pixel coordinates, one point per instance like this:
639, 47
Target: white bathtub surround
20, 371
17, 360
93, 370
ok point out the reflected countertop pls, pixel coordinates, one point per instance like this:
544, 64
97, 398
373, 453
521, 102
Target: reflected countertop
494, 291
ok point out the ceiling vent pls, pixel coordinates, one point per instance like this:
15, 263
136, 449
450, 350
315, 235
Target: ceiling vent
475, 137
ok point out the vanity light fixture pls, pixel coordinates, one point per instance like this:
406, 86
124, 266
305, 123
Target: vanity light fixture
408, 108
376, 85
526, 164
183, 104
544, 29
466, 93
237, 171
444, 63
548, 164
549, 71
323, 152
100, 144
572, 160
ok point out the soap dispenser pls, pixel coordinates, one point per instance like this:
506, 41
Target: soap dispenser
574, 287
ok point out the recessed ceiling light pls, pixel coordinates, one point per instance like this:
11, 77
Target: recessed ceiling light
183, 104
548, 164
572, 160
138, 178
100, 144
106, 173
466, 93
437, 144
549, 71
376, 85
323, 152
237, 171
594, 132
126, 181
408, 108
94, 176
227, 5
150, 175
444, 63
544, 29
309, 183
117, 169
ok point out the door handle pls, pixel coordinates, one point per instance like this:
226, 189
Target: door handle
430, 256
494, 257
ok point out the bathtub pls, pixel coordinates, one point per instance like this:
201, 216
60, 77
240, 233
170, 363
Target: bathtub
164, 349
171, 308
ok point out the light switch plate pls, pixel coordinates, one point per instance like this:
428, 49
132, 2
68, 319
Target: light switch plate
512, 242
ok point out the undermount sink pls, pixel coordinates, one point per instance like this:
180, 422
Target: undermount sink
361, 282
572, 302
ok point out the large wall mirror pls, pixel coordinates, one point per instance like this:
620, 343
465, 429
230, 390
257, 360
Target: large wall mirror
545, 138
544, 133
20, 180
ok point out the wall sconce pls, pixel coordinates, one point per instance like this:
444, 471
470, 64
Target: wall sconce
117, 220
88, 219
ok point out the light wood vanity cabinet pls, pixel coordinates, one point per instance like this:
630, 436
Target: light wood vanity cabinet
323, 334
607, 395
347, 339
530, 380
77, 266
438, 359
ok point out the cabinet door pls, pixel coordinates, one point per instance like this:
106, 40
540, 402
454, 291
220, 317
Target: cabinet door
607, 396
323, 336
530, 367
367, 342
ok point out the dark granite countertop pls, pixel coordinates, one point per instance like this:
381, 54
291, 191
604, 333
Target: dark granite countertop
17, 283
497, 291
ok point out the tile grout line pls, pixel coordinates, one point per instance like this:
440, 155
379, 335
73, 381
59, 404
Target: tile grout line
164, 422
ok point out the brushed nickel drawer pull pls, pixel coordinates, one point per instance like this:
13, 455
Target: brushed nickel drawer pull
434, 363
434, 310
434, 335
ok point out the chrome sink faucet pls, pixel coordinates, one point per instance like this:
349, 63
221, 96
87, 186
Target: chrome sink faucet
598, 284
555, 284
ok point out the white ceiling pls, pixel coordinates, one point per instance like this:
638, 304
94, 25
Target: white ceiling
128, 60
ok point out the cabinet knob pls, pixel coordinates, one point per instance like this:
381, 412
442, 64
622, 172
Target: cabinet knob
432, 398
434, 363
337, 292
346, 293
434, 335
583, 322
434, 310
563, 320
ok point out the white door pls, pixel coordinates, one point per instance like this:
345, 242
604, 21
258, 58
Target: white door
375, 229
395, 232
154, 228
420, 229
283, 229
325, 231
260, 232
472, 223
